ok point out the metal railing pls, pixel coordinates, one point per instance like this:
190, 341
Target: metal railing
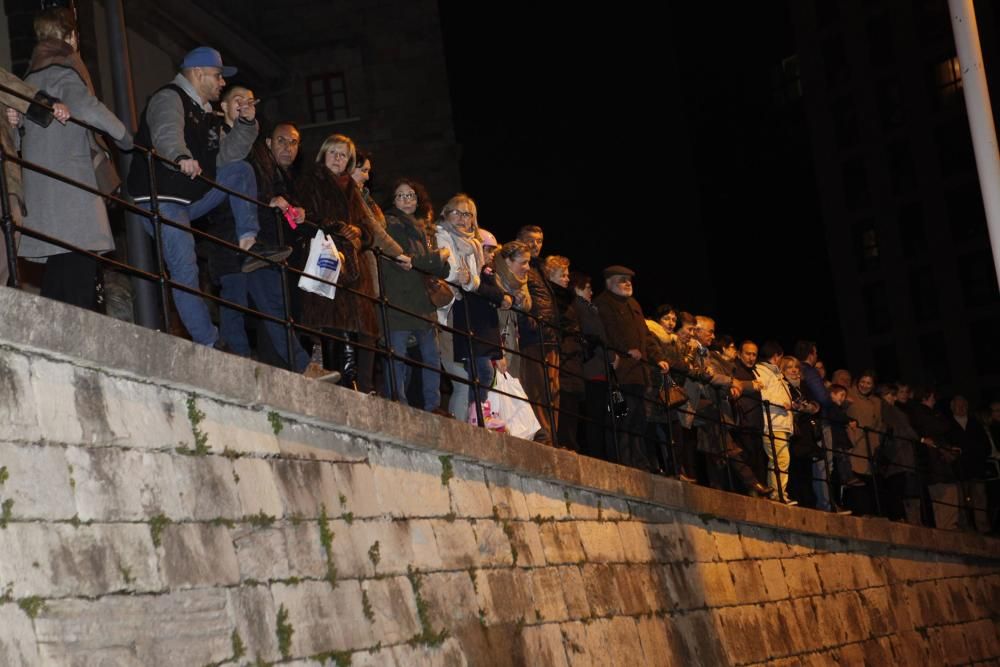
720, 429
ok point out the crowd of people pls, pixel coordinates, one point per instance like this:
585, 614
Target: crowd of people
430, 307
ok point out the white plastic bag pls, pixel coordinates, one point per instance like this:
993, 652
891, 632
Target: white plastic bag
516, 414
324, 263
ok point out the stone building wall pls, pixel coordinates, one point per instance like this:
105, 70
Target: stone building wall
165, 504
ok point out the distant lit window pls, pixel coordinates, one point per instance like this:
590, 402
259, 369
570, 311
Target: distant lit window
787, 80
327, 98
948, 78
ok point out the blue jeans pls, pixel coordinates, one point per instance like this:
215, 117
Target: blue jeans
178, 245
429, 354
263, 288
484, 373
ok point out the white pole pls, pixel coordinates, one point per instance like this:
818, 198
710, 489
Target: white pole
977, 106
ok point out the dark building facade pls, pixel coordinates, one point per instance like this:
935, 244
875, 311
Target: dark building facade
902, 210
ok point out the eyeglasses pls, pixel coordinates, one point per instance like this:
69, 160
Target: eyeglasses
464, 215
406, 196
340, 155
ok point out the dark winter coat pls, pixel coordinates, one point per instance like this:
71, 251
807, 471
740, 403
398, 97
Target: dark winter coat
482, 319
626, 330
405, 289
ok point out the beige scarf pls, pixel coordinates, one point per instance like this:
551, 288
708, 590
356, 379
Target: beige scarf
516, 287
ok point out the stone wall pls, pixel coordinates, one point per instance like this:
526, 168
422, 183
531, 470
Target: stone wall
165, 504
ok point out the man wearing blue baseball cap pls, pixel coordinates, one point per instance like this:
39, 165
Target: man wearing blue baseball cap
180, 124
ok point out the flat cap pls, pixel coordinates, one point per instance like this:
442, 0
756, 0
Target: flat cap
618, 270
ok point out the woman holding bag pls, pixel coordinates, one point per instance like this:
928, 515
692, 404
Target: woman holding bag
408, 291
54, 208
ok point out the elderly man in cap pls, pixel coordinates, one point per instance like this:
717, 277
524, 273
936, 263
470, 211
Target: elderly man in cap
180, 124
628, 335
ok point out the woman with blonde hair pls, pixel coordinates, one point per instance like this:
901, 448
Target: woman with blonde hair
458, 230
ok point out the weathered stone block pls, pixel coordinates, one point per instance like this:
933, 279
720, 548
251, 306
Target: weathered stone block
666, 542
801, 577
236, 428
774, 579
633, 583
508, 498
561, 542
60, 560
658, 642
574, 592
760, 543
742, 634
525, 537
208, 489
18, 408
748, 582
324, 618
17, 638
57, 399
699, 540
601, 541
878, 608
256, 489
456, 543
423, 542
494, 546
834, 572
575, 643
306, 556
909, 648
255, 616
306, 487
635, 541
684, 587
451, 598
448, 654
543, 645
727, 540
717, 583
394, 609
143, 415
602, 590
470, 495
408, 483
546, 587
261, 553
118, 485
544, 499
622, 634
505, 595
780, 632
198, 554
179, 628
308, 441
700, 633
356, 483
395, 550
38, 481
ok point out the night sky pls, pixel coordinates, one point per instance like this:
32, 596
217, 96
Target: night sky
650, 139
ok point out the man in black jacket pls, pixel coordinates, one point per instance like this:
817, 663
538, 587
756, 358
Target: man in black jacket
539, 342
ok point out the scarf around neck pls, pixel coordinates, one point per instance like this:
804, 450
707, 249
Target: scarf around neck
516, 287
466, 242
57, 52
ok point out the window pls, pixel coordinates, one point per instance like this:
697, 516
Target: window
856, 192
787, 81
924, 294
946, 84
866, 244
327, 98
978, 279
912, 231
877, 308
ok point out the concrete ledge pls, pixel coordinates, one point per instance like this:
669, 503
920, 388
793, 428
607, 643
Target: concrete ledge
50, 329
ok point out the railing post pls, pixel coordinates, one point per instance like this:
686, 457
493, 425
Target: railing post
610, 406
774, 451
872, 468
473, 369
8, 219
154, 208
382, 301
